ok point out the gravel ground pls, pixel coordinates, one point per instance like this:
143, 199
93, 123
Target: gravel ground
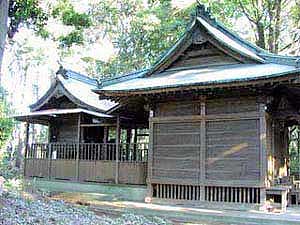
16, 209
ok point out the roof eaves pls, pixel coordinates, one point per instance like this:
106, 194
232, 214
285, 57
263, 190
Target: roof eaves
205, 14
203, 84
232, 40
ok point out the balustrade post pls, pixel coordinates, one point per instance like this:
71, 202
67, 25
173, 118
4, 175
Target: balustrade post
117, 150
78, 147
26, 147
49, 160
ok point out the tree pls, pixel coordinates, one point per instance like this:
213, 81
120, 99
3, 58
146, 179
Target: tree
15, 13
265, 18
6, 123
140, 31
293, 47
3, 28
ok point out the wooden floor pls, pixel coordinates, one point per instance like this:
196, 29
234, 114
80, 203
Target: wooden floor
116, 200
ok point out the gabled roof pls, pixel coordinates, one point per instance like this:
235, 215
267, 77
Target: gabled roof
252, 62
78, 89
207, 76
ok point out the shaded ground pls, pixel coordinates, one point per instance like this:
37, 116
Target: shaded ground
19, 209
115, 200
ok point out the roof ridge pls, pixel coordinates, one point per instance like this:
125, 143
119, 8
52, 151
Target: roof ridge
122, 77
205, 13
81, 77
68, 73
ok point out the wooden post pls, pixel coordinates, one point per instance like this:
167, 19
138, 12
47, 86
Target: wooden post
135, 143
128, 140
150, 154
263, 152
202, 149
78, 147
117, 149
49, 159
26, 146
105, 137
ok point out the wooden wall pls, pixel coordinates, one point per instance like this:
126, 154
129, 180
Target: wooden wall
217, 142
65, 128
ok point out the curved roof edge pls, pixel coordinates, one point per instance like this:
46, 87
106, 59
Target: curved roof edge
78, 89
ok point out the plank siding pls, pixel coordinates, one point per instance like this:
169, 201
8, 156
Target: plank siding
176, 150
231, 105
200, 54
223, 134
232, 150
67, 129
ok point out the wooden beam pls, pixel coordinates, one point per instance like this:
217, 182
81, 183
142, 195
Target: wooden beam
99, 125
26, 145
222, 117
263, 151
150, 153
202, 147
117, 149
78, 145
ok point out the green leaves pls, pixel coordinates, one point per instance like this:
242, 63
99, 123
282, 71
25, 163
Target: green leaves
75, 36
6, 123
139, 31
65, 12
25, 12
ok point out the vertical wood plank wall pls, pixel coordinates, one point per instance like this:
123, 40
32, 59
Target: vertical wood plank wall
208, 150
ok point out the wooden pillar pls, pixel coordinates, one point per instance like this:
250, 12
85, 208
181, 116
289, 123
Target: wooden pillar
128, 140
49, 159
78, 146
26, 146
150, 154
202, 155
263, 152
105, 137
117, 149
135, 144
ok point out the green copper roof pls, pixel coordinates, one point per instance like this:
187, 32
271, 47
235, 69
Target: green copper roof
259, 64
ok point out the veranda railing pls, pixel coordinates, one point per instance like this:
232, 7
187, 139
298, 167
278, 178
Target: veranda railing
88, 161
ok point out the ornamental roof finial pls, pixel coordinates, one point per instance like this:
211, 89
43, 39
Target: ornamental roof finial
62, 71
204, 12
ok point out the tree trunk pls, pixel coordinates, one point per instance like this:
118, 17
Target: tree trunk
277, 25
3, 29
260, 35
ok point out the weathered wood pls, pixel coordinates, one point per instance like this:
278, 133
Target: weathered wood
202, 147
118, 130
49, 160
78, 145
230, 116
263, 151
26, 144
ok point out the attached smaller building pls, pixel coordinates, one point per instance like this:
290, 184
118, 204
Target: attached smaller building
84, 134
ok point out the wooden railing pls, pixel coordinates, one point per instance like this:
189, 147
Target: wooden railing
95, 162
133, 152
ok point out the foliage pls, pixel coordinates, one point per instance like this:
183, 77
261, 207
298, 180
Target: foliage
66, 13
140, 32
6, 124
75, 36
25, 210
265, 18
294, 146
294, 45
26, 12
